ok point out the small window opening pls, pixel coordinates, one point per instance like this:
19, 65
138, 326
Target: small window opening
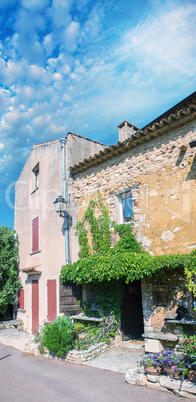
35, 171
127, 204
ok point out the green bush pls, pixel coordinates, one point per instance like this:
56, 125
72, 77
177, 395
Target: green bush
9, 280
59, 336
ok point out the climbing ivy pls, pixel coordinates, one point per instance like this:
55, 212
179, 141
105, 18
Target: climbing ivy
116, 265
99, 230
126, 261
82, 233
190, 272
127, 241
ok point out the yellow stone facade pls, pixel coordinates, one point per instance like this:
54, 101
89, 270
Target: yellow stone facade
161, 174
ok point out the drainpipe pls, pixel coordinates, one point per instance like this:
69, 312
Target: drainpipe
66, 223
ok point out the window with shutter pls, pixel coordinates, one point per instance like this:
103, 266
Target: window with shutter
21, 299
35, 235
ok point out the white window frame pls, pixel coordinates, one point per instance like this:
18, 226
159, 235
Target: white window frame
119, 205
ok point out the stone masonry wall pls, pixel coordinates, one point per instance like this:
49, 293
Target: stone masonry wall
172, 294
162, 178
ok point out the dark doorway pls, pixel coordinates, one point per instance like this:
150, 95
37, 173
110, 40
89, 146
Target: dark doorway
132, 318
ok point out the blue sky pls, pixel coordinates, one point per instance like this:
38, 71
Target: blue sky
85, 66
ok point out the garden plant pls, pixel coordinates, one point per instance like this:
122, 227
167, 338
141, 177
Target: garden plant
177, 365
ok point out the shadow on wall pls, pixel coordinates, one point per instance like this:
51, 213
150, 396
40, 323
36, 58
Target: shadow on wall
167, 295
192, 174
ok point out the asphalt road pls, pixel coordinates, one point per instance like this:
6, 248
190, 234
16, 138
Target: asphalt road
29, 378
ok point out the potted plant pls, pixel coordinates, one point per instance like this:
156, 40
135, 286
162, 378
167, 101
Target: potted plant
151, 364
169, 362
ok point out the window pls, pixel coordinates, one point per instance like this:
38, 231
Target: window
36, 176
125, 207
35, 235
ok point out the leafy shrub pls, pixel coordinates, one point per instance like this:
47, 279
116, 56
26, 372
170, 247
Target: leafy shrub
188, 346
9, 281
59, 336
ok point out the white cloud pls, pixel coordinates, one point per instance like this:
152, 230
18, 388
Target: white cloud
71, 36
60, 13
37, 72
49, 44
93, 25
162, 45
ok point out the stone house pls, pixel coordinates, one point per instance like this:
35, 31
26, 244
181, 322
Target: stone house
150, 175
41, 231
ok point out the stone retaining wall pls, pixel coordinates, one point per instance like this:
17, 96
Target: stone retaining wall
16, 324
164, 383
74, 356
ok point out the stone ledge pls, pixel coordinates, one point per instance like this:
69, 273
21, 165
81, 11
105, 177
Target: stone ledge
160, 336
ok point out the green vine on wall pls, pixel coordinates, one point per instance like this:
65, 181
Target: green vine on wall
190, 272
126, 261
99, 230
95, 258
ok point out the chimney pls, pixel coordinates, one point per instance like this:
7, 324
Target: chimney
126, 130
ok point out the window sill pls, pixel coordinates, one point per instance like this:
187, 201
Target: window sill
35, 252
21, 310
37, 188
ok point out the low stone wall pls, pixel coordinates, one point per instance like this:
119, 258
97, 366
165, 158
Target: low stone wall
185, 389
16, 324
75, 356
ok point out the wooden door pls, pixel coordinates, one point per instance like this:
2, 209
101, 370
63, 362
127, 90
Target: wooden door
132, 318
35, 306
51, 292
70, 295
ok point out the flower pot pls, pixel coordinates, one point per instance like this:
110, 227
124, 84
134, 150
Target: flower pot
192, 375
171, 371
153, 370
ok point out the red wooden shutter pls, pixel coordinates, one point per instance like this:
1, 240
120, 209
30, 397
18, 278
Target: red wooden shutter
35, 235
35, 306
21, 299
52, 307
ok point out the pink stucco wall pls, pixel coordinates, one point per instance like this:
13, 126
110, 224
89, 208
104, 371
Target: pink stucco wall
31, 203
